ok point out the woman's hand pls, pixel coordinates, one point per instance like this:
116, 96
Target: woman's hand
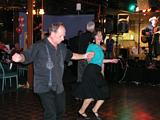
110, 60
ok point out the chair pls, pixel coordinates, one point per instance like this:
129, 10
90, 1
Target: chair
21, 69
4, 75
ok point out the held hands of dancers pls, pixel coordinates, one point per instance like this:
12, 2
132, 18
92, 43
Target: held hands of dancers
88, 56
110, 60
114, 60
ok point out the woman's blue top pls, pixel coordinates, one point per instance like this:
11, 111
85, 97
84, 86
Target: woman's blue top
99, 55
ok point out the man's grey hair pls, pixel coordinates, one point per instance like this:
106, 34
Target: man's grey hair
54, 27
90, 26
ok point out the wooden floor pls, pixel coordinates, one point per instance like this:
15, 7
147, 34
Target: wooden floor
127, 102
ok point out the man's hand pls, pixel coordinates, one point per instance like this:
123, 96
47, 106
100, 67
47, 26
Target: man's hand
114, 60
89, 55
110, 60
18, 57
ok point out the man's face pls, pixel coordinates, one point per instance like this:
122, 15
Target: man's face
58, 37
154, 22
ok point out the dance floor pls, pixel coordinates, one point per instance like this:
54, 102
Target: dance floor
127, 102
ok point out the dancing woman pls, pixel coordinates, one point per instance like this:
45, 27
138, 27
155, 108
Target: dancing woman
93, 87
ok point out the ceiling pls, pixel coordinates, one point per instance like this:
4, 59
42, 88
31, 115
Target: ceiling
65, 7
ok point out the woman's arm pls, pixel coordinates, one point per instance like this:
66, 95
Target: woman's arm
88, 56
110, 60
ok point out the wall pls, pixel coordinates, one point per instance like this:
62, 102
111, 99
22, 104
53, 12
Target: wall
73, 24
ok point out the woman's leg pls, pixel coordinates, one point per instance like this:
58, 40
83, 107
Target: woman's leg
97, 106
84, 106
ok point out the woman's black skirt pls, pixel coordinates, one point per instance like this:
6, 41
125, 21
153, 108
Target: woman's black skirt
93, 84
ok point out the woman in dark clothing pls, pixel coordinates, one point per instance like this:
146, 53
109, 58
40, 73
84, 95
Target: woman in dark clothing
93, 86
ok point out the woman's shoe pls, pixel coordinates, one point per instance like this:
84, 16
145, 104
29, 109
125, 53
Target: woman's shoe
84, 116
97, 116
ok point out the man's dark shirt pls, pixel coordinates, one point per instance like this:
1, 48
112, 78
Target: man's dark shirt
84, 40
150, 30
153, 42
39, 56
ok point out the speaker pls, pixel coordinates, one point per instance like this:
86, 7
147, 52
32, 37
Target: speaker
123, 23
111, 24
143, 4
123, 27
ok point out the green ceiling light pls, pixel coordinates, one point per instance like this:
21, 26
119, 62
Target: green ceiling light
132, 7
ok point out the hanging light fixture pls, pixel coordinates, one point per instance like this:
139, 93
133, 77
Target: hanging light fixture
78, 6
37, 11
41, 11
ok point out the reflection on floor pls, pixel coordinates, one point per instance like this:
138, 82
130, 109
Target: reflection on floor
127, 102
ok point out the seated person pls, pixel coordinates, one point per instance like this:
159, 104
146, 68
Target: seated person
134, 51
